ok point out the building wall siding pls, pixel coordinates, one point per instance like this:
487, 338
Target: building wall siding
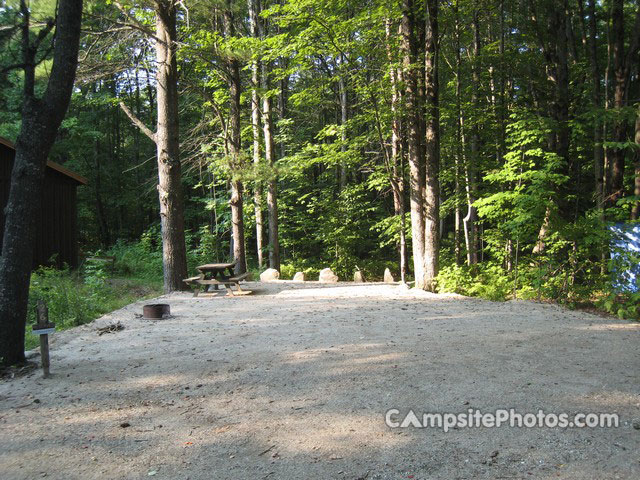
56, 231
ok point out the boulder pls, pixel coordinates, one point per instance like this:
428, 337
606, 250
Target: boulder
388, 278
327, 276
358, 277
298, 277
269, 275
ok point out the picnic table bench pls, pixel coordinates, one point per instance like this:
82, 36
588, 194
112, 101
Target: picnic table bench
217, 274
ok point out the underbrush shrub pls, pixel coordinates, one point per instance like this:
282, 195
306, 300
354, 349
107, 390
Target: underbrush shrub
74, 298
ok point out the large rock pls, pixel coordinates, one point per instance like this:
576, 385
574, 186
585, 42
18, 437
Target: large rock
388, 278
327, 276
358, 277
269, 275
298, 277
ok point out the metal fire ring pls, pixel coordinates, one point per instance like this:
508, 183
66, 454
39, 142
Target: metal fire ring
156, 311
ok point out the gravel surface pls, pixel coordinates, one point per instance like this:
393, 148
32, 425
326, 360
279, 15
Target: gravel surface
293, 382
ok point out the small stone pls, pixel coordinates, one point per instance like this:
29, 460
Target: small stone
636, 424
269, 275
358, 277
298, 277
327, 276
36, 400
388, 278
125, 425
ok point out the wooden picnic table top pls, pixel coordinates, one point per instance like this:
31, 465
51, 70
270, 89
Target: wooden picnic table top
216, 266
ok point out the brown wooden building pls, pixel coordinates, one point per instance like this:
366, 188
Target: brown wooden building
57, 230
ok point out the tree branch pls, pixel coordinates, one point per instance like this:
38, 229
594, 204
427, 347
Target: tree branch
134, 23
137, 122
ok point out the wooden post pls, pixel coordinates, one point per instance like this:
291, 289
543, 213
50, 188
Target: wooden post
43, 322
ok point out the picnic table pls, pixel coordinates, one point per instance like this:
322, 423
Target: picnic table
217, 274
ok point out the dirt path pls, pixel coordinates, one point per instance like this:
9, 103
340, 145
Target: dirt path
294, 382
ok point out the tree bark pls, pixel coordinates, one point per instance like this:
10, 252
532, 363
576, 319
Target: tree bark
598, 151
554, 48
41, 118
623, 63
470, 166
236, 200
254, 11
459, 157
408, 46
272, 190
397, 180
344, 116
432, 183
635, 211
174, 254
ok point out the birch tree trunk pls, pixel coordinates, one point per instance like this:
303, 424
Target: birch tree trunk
41, 118
470, 166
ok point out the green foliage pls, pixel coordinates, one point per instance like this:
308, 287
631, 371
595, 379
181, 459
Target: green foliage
76, 298
488, 281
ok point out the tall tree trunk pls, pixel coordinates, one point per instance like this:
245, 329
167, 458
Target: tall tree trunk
470, 166
432, 174
236, 200
412, 121
460, 144
272, 191
41, 118
598, 152
254, 11
344, 116
174, 255
103, 225
554, 48
397, 181
635, 211
623, 64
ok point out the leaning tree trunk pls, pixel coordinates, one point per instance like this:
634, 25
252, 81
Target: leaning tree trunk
41, 119
174, 255
236, 201
412, 122
254, 10
432, 184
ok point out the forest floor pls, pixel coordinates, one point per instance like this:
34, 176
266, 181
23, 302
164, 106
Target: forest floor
293, 382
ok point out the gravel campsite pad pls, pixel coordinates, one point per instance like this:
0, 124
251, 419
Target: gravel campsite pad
293, 382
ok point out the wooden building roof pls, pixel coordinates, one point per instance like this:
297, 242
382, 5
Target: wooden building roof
52, 165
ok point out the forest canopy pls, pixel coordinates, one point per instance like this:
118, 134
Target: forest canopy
483, 147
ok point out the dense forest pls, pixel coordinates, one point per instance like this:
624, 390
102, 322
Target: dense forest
483, 147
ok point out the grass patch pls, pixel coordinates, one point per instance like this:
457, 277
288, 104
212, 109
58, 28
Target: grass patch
78, 297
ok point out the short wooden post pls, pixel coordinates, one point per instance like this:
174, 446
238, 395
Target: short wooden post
43, 325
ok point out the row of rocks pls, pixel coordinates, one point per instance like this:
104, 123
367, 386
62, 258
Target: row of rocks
326, 276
